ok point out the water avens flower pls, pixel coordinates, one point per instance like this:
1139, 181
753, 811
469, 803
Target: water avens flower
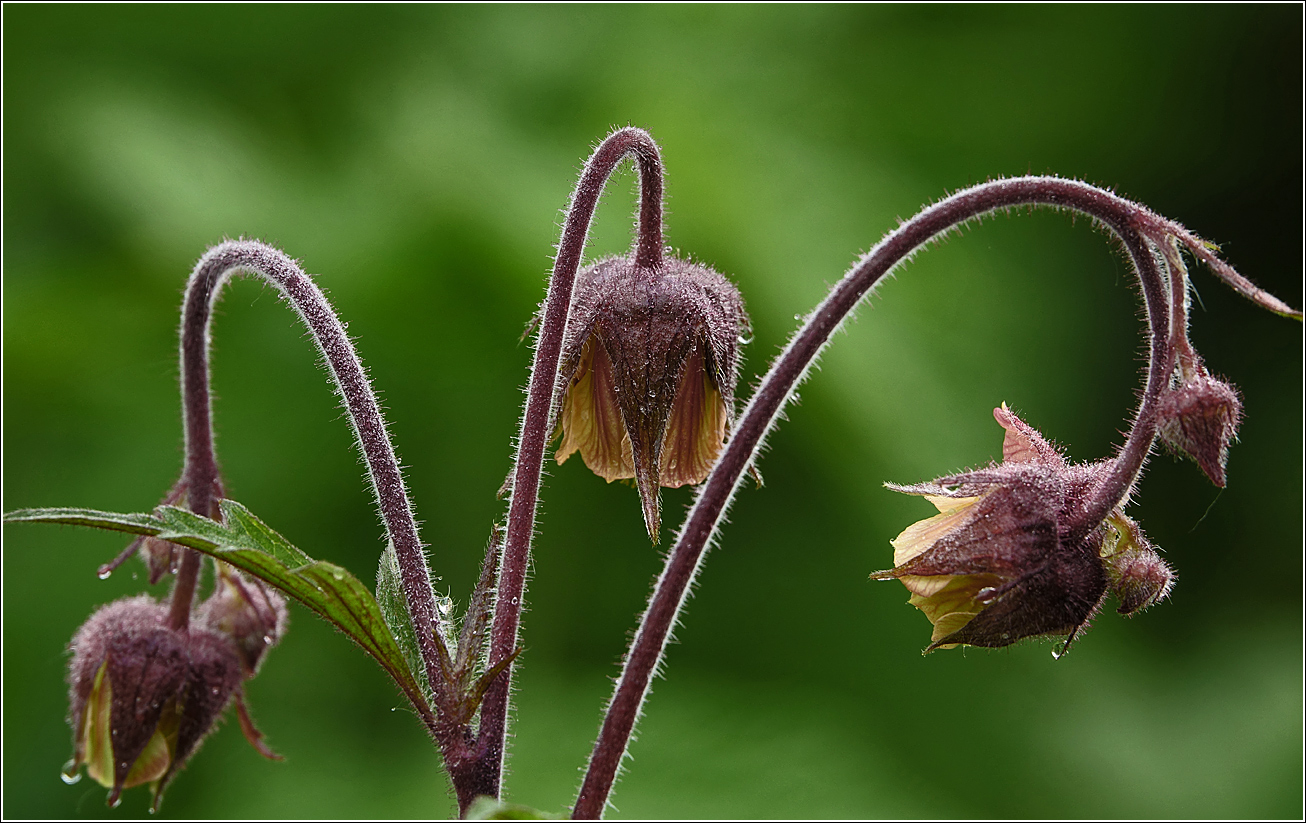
1005, 560
648, 373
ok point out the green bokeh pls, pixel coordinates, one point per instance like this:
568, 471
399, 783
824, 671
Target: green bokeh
417, 159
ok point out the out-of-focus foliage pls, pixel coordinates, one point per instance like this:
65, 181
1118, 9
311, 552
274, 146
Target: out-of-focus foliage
417, 159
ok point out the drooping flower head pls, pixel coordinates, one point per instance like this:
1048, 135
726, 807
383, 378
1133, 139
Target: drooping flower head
1000, 562
143, 695
648, 373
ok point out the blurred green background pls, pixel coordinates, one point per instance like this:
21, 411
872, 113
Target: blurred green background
417, 159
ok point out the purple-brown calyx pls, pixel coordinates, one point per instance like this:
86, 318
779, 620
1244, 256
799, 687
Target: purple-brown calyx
648, 373
1005, 559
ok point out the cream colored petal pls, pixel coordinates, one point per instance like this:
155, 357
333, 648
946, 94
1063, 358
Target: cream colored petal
948, 504
696, 427
949, 623
591, 420
152, 764
949, 601
920, 536
96, 748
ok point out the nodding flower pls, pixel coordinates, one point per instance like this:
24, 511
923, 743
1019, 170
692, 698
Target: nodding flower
144, 695
648, 373
1003, 560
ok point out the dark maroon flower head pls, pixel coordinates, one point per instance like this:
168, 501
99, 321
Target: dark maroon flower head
1198, 419
648, 373
1006, 559
143, 695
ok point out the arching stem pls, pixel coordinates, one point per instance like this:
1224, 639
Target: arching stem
535, 425
200, 476
1143, 233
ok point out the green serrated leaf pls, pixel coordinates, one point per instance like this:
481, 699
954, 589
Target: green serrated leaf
130, 523
251, 546
390, 599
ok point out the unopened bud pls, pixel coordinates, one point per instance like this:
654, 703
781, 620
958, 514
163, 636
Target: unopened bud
1138, 576
248, 611
1199, 419
143, 695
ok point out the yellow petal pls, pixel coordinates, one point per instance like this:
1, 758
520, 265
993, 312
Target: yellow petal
152, 764
949, 601
591, 420
696, 428
920, 536
95, 746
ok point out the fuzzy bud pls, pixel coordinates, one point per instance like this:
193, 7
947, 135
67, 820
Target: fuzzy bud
1138, 576
143, 695
1198, 419
648, 373
249, 612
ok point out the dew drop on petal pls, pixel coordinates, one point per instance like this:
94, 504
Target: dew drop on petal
70, 773
104, 572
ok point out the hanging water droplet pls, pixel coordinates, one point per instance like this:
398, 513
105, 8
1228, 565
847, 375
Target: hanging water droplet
70, 773
1058, 650
103, 572
114, 802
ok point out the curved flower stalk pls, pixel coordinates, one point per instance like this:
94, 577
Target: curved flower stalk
243, 609
636, 360
1146, 237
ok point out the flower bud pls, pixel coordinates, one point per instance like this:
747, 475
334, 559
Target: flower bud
1198, 419
248, 611
998, 565
648, 373
143, 695
1138, 576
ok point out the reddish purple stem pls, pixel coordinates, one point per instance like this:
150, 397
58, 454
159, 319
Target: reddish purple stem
1142, 233
529, 463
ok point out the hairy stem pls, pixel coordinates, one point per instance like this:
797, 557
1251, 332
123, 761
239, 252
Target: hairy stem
200, 474
1143, 234
535, 426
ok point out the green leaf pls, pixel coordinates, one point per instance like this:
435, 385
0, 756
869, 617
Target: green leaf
248, 544
390, 598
